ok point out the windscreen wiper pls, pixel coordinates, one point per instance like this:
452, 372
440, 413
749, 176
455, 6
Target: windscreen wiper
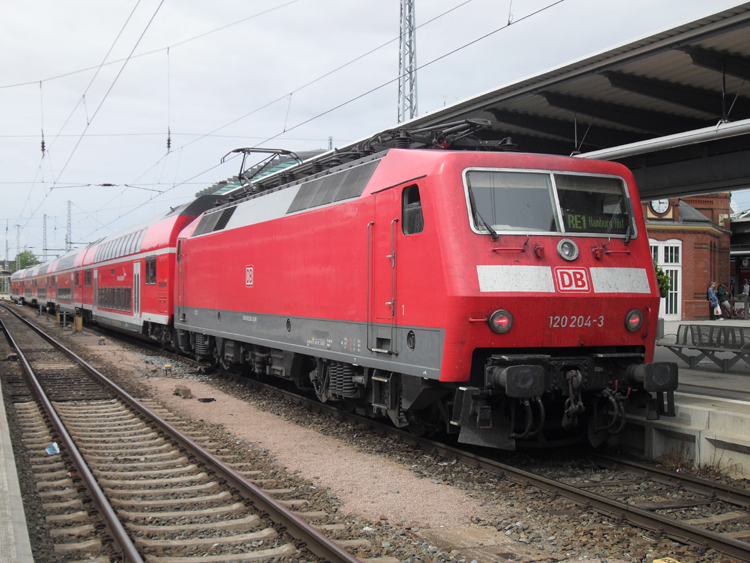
478, 215
629, 231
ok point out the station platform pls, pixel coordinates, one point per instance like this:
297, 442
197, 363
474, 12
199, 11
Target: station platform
712, 422
14, 538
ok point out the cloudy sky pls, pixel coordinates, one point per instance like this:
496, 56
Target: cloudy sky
105, 81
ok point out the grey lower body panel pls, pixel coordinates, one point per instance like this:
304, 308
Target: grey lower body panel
414, 350
118, 324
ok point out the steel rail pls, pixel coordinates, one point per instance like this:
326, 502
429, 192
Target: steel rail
719, 491
115, 527
298, 528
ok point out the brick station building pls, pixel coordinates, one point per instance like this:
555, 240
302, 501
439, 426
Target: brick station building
689, 239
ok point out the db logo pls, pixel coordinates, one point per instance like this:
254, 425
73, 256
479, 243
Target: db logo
249, 276
572, 279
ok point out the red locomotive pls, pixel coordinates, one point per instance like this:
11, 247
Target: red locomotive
504, 297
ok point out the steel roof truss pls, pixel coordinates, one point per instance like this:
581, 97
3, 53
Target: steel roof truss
565, 130
733, 65
706, 101
648, 121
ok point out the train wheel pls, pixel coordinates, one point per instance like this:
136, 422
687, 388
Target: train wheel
320, 380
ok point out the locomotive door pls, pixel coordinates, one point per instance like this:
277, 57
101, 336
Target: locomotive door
383, 232
137, 289
180, 305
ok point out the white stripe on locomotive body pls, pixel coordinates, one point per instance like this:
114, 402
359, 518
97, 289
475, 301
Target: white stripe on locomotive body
538, 279
620, 280
532, 279
262, 209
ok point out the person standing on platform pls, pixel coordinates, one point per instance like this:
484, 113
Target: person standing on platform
713, 302
721, 294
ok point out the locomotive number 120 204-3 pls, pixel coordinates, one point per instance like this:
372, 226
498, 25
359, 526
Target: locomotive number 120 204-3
573, 321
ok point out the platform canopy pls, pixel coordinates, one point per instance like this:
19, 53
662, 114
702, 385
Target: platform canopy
674, 107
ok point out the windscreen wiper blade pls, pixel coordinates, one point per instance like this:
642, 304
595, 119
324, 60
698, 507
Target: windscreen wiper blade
478, 215
631, 215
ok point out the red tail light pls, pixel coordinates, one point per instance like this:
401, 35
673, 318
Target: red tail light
500, 321
634, 320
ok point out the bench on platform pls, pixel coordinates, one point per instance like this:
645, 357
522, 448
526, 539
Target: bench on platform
709, 340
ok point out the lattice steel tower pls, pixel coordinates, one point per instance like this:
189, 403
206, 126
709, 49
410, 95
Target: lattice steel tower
407, 63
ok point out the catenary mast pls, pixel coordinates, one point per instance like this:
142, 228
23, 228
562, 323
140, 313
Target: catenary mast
407, 63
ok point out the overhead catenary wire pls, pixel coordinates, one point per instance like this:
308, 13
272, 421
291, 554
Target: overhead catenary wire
100, 105
104, 60
106, 94
436, 59
147, 53
83, 99
298, 89
125, 61
321, 114
433, 61
326, 75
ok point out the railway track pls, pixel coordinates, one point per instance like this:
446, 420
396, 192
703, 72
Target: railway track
683, 508
134, 483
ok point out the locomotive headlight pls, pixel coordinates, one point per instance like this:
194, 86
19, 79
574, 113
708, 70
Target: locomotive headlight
567, 249
500, 321
634, 320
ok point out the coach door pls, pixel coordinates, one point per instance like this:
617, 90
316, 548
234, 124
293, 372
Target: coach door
137, 289
382, 236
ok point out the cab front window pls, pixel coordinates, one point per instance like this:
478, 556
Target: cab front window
547, 202
592, 204
512, 201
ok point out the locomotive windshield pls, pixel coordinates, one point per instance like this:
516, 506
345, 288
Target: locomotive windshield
547, 202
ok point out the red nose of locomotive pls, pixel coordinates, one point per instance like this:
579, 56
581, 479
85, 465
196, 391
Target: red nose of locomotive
566, 304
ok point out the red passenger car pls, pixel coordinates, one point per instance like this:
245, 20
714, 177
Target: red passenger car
125, 281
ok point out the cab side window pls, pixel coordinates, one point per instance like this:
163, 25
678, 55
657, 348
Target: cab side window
412, 220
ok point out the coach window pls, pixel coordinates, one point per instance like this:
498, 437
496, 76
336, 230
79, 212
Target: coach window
129, 244
412, 218
150, 277
76, 282
88, 278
